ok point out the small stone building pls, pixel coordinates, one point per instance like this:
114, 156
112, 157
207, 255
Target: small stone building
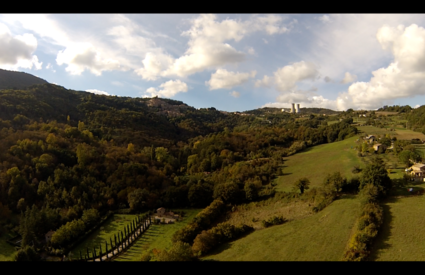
418, 171
160, 211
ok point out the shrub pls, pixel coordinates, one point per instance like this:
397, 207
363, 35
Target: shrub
275, 220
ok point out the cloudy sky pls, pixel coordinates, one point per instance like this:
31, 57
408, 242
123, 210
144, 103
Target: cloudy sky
229, 61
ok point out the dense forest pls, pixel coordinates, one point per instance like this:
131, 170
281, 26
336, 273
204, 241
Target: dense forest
18, 80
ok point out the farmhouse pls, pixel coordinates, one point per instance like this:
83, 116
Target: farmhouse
418, 171
169, 217
378, 145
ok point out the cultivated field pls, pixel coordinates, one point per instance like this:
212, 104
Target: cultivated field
402, 236
317, 162
157, 236
320, 237
111, 226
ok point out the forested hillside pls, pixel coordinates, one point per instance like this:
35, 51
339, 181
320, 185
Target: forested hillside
18, 80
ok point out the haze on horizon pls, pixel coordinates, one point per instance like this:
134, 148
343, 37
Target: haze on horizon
232, 62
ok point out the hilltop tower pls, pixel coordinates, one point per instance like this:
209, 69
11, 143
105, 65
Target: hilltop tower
293, 108
298, 108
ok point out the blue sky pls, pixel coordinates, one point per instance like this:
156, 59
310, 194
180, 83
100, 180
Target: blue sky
234, 62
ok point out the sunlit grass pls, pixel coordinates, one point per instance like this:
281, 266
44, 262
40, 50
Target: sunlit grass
317, 162
319, 237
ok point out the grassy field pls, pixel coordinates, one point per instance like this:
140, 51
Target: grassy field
157, 236
320, 237
110, 227
253, 213
7, 251
318, 161
402, 236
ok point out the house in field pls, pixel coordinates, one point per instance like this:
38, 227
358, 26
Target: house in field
379, 145
160, 211
417, 171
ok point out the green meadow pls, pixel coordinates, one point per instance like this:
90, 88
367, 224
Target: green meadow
317, 162
157, 236
402, 236
320, 237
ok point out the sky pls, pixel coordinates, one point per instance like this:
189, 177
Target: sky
233, 62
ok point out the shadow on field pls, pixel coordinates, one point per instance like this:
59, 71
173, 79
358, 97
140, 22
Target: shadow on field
381, 242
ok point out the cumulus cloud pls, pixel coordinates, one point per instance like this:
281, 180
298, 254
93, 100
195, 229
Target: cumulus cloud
404, 77
285, 78
154, 65
81, 56
305, 100
169, 89
208, 47
16, 51
265, 82
348, 78
98, 92
251, 50
223, 79
417, 106
327, 79
235, 94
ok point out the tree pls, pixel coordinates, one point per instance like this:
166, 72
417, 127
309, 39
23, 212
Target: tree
335, 181
302, 184
376, 175
137, 198
180, 251
27, 253
90, 216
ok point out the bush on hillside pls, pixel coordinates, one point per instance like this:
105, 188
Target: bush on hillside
275, 220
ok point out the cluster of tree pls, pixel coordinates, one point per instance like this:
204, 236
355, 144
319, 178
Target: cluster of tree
202, 221
396, 108
221, 233
374, 186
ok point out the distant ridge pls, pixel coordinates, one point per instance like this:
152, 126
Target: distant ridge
18, 80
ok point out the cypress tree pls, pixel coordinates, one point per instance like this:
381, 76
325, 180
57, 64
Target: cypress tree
94, 254
81, 257
125, 232
122, 243
106, 244
100, 253
88, 254
115, 239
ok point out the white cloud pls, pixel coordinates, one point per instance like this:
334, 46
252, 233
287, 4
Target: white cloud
16, 51
404, 77
265, 82
223, 79
285, 78
348, 78
154, 65
265, 41
207, 45
98, 92
81, 56
169, 89
327, 79
284, 101
117, 83
417, 106
325, 18
235, 94
251, 50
